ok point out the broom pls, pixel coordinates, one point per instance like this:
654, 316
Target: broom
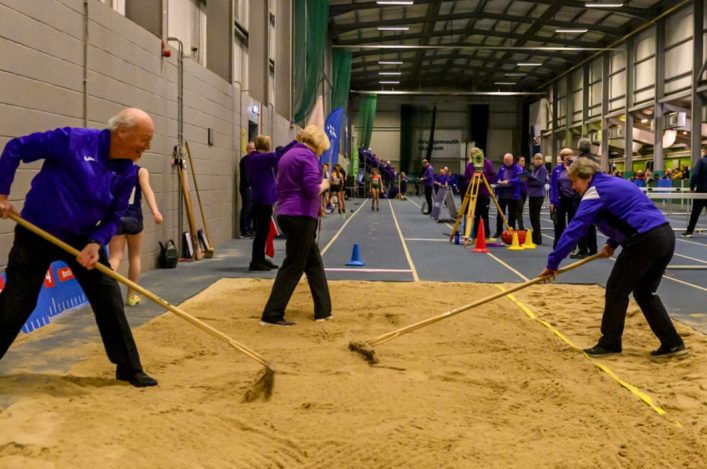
261, 386
365, 348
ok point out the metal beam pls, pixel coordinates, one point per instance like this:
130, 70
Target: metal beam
428, 34
629, 123
338, 29
658, 160
451, 93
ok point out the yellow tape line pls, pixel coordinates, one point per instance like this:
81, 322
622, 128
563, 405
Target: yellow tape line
633, 389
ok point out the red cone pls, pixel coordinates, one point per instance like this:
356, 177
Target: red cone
480, 238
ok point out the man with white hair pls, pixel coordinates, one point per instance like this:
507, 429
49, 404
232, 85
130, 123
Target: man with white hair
78, 196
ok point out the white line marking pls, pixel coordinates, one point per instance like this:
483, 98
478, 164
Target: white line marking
331, 241
354, 269
435, 240
415, 277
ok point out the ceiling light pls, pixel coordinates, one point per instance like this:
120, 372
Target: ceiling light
529, 64
572, 31
395, 2
516, 74
393, 28
603, 5
504, 83
389, 62
644, 121
389, 82
390, 73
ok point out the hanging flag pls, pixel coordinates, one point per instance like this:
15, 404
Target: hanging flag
270, 241
332, 127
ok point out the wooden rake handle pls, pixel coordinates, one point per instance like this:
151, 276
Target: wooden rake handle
392, 335
163, 303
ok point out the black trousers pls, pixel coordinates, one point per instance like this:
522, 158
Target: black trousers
588, 243
638, 270
261, 215
564, 213
301, 256
428, 198
28, 262
519, 211
697, 206
512, 206
534, 206
246, 216
482, 211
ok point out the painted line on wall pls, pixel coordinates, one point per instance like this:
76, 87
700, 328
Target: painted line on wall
415, 277
640, 394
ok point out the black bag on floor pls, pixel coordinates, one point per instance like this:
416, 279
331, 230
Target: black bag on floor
168, 255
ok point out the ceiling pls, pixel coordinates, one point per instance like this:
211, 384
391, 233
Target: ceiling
471, 45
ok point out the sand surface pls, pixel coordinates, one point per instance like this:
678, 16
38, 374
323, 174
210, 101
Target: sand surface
491, 387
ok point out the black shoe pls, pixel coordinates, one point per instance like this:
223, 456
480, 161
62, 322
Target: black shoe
323, 318
578, 255
137, 378
258, 268
686, 234
278, 322
599, 350
271, 265
665, 351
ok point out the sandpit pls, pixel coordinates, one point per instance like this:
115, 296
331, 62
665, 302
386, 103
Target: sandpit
491, 387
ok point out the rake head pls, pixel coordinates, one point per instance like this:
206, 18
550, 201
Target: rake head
365, 349
262, 386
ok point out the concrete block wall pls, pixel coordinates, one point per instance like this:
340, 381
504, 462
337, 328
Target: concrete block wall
41, 88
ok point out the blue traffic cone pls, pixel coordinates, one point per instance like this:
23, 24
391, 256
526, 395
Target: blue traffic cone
355, 258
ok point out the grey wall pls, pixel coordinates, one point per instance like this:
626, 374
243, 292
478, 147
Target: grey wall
41, 87
505, 117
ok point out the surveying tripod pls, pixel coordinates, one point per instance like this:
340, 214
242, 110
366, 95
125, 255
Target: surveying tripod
468, 207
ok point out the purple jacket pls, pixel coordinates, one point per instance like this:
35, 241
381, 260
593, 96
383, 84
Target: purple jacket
79, 194
560, 185
618, 208
488, 171
428, 177
512, 174
298, 179
536, 182
261, 169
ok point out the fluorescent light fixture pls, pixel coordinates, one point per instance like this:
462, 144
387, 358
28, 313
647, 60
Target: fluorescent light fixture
516, 74
393, 28
390, 73
504, 83
389, 82
644, 121
529, 64
395, 2
572, 31
389, 62
603, 5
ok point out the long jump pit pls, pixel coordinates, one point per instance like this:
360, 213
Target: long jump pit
501, 385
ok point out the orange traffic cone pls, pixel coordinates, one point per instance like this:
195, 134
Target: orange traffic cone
529, 244
480, 238
516, 245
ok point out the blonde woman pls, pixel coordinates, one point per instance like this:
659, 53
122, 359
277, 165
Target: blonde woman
299, 187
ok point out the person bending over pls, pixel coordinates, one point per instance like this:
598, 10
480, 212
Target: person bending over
78, 196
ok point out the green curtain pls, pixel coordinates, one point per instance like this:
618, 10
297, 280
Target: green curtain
407, 113
367, 114
341, 61
311, 18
